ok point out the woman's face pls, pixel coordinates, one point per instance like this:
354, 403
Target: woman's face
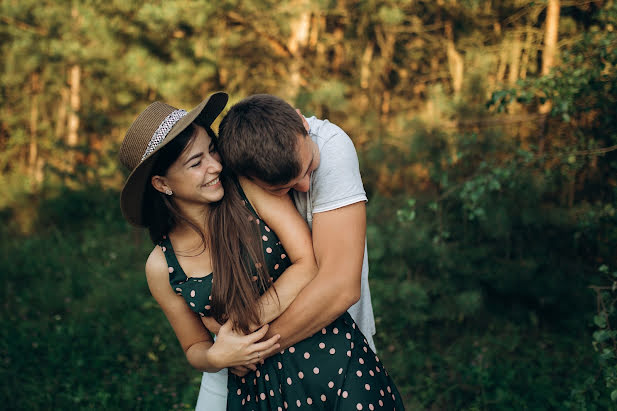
194, 176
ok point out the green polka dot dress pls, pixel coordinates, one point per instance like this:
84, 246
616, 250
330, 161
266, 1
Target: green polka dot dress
335, 369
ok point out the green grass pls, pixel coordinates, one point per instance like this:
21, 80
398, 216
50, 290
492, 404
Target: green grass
79, 330
79, 327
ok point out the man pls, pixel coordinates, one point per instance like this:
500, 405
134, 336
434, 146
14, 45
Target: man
264, 139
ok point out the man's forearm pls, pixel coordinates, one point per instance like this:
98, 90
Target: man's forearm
320, 302
285, 289
338, 242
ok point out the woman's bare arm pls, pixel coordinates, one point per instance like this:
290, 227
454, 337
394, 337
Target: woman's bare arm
230, 349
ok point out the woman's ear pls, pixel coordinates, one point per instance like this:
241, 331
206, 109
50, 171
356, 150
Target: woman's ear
160, 184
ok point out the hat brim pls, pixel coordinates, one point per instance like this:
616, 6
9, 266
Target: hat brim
132, 195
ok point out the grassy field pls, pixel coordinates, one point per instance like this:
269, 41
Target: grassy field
81, 331
79, 327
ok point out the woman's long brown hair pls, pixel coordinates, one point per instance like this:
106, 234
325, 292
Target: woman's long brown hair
238, 262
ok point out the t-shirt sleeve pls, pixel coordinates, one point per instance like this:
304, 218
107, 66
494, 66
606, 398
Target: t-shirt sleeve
337, 181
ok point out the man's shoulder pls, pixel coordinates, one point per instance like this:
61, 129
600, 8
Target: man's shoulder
322, 131
331, 140
337, 181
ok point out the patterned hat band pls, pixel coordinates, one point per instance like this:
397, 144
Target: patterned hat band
162, 131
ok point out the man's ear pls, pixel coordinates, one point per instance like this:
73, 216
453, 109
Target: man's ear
159, 183
304, 122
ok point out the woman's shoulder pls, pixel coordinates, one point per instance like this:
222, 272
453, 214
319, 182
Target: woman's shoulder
156, 265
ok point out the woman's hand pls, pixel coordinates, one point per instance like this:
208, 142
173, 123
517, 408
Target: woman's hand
233, 348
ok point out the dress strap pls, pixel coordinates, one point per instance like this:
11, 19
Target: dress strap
244, 198
176, 274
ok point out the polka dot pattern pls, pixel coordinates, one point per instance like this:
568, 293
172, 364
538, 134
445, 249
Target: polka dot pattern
334, 369
313, 374
195, 290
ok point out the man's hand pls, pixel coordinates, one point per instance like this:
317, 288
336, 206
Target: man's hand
241, 370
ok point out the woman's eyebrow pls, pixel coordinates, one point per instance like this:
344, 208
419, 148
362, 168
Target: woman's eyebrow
194, 156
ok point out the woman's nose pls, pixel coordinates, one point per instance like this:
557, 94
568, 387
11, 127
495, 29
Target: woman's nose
214, 164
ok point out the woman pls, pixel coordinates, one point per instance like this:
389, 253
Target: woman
231, 253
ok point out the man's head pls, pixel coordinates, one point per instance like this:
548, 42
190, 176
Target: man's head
263, 138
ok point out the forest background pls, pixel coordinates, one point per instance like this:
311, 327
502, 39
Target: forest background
486, 132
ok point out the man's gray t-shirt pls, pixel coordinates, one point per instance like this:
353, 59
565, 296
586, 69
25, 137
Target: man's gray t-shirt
337, 183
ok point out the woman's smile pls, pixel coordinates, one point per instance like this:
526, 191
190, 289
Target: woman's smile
214, 182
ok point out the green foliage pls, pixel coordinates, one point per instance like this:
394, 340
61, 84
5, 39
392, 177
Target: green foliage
486, 223
79, 327
582, 83
605, 336
492, 260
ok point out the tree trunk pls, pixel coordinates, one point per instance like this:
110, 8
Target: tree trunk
550, 36
502, 65
514, 67
34, 122
527, 50
515, 59
62, 113
314, 34
365, 68
321, 50
455, 60
385, 41
297, 42
548, 58
550, 44
385, 106
339, 50
74, 102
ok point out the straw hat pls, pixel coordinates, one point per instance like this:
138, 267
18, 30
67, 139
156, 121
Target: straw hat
156, 126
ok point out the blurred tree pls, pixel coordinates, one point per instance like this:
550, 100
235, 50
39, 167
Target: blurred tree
485, 221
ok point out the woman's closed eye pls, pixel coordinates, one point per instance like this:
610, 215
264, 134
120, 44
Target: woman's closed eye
197, 164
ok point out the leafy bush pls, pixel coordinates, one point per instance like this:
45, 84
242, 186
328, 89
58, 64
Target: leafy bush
79, 327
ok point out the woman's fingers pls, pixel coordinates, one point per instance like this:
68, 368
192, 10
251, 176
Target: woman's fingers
268, 352
275, 348
259, 334
251, 362
267, 345
264, 349
246, 350
254, 327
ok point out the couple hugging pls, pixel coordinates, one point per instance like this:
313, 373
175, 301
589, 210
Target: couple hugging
260, 239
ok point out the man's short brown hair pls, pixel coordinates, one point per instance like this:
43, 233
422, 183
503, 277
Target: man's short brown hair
258, 138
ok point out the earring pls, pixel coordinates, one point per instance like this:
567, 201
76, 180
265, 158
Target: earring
168, 192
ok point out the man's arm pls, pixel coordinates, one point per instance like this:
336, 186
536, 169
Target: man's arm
338, 242
280, 214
